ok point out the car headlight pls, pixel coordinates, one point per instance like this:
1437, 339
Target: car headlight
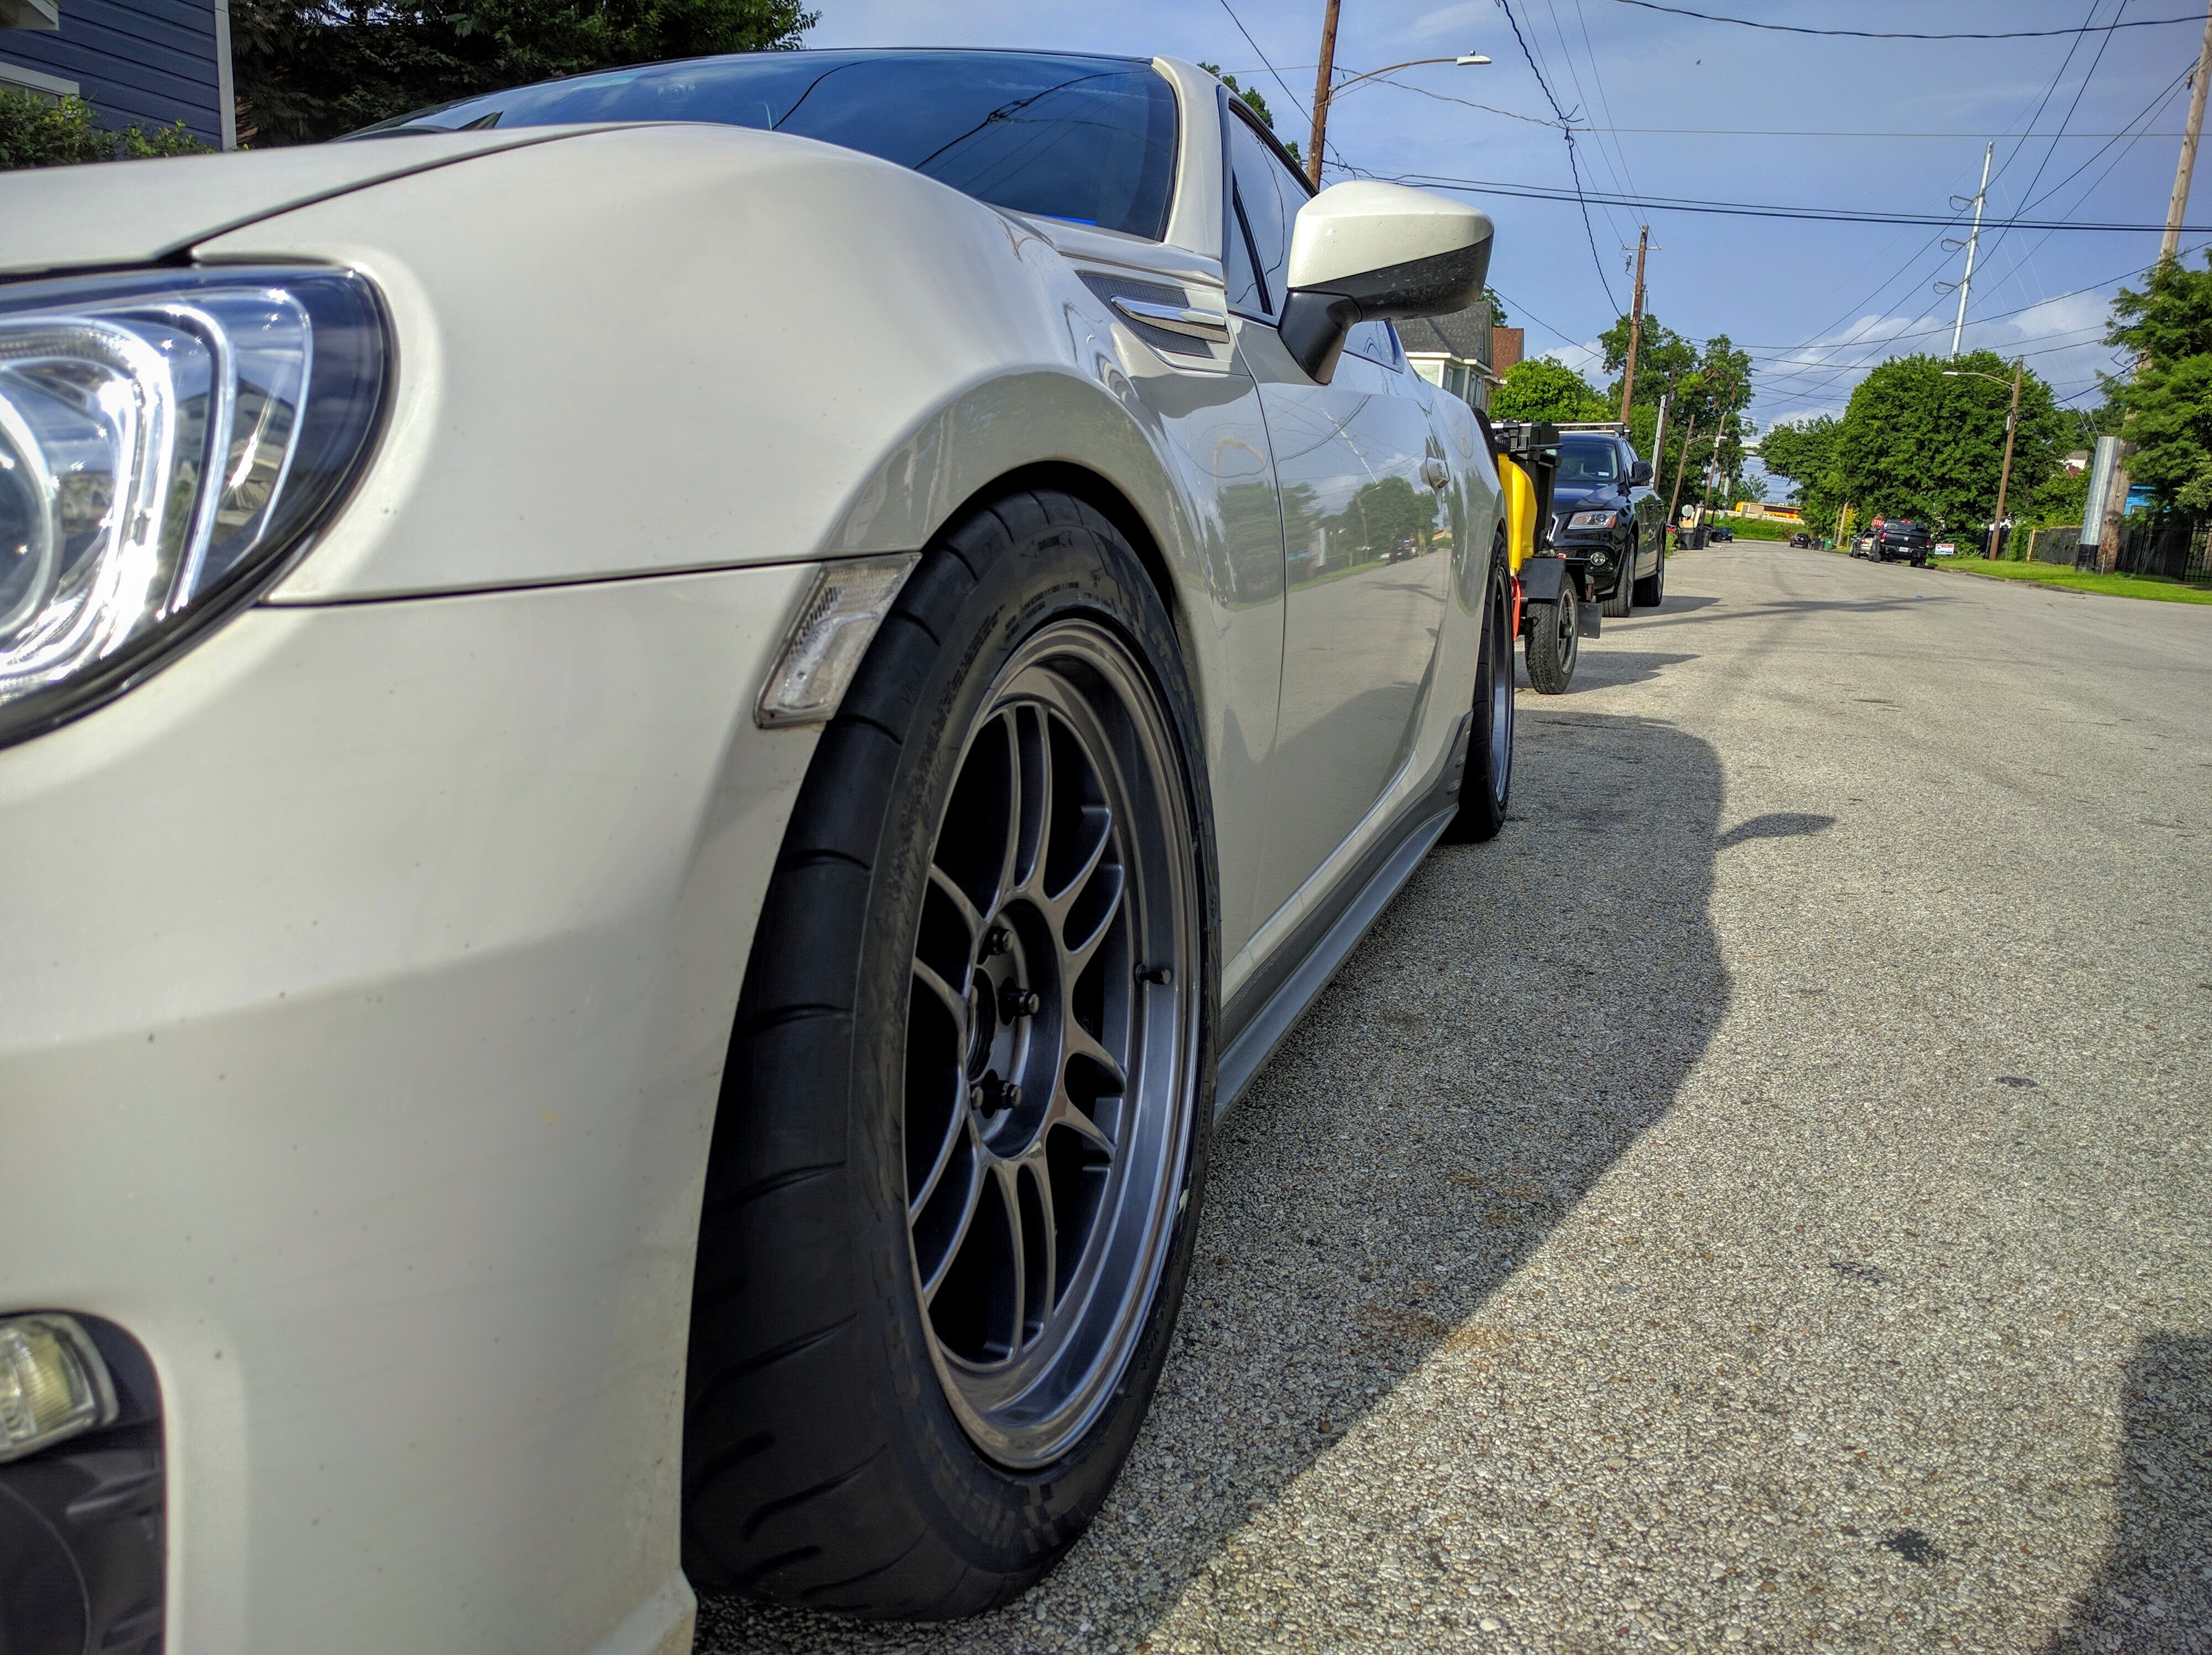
1593, 519
165, 441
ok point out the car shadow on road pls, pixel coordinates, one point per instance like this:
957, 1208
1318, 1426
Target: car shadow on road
2154, 1593
1604, 669
1518, 1018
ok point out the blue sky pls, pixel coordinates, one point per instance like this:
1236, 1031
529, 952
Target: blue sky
1708, 111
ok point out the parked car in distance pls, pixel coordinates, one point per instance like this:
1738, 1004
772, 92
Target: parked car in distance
657, 779
1801, 539
1722, 532
1607, 521
1899, 539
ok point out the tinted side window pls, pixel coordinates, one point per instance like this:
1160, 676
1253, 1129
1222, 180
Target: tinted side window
1270, 195
1242, 275
1088, 139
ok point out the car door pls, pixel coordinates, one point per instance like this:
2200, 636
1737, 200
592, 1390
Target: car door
1368, 569
1647, 511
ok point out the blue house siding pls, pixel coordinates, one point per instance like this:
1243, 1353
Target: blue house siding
137, 63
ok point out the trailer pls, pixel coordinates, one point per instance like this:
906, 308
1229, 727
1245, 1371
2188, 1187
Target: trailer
1555, 604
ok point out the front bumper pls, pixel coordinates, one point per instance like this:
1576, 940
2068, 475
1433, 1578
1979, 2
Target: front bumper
369, 977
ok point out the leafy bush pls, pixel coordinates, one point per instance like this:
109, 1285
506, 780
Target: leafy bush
34, 132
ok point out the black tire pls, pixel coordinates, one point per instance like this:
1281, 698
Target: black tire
1651, 590
1555, 643
1487, 786
825, 1462
1622, 599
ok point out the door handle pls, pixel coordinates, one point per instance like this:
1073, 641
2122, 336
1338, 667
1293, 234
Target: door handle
1176, 318
1435, 473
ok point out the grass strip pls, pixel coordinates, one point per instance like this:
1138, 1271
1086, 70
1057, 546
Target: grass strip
2157, 588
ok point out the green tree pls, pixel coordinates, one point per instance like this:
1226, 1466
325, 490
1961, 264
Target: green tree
34, 132
2167, 403
1707, 387
1804, 453
1918, 442
1537, 388
1255, 102
310, 69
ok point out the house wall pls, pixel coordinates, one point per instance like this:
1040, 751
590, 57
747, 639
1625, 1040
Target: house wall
137, 63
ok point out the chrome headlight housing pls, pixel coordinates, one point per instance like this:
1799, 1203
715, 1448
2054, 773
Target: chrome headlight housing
1593, 519
168, 442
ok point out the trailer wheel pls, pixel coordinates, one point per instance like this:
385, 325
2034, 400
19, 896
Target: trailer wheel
1555, 642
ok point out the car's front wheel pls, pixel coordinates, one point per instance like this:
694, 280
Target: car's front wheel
956, 1166
1621, 599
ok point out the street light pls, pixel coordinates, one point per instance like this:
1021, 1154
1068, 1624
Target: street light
1325, 95
2012, 423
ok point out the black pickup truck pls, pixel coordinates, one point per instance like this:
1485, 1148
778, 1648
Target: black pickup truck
1900, 539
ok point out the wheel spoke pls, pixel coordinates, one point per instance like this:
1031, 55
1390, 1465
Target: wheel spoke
1066, 1112
1098, 822
1008, 1177
954, 1132
947, 887
1010, 858
955, 1003
978, 1177
1076, 956
1081, 1044
1037, 801
1041, 1181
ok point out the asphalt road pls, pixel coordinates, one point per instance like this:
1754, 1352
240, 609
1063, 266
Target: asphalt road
1763, 1200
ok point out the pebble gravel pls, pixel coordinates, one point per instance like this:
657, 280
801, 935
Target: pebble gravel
1763, 1201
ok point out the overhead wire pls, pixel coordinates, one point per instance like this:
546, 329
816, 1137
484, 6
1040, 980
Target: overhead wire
1903, 34
1573, 167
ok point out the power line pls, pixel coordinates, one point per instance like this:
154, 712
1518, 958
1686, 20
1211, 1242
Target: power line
1900, 35
1758, 209
1262, 57
1573, 169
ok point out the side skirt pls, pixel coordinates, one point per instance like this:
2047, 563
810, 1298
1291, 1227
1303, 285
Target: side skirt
1257, 1019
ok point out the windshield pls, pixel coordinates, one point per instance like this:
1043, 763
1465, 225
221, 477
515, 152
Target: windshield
1091, 140
1588, 460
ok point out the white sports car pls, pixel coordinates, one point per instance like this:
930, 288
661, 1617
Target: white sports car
665, 741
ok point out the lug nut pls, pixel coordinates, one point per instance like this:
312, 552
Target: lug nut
995, 1096
1014, 1001
996, 941
1161, 975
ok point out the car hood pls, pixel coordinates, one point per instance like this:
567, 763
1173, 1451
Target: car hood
1580, 495
135, 212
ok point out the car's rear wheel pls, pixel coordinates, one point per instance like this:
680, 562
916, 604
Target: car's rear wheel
1489, 784
957, 1163
1651, 590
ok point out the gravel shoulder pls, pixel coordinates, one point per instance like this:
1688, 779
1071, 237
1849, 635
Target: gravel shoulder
1760, 1200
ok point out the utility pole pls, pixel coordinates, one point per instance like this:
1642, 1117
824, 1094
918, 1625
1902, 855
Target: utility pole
2188, 163
1972, 241
1321, 80
1659, 440
2115, 502
1674, 499
2004, 477
1635, 325
1713, 471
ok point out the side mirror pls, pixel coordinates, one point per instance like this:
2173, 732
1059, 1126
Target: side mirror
1639, 474
1366, 253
